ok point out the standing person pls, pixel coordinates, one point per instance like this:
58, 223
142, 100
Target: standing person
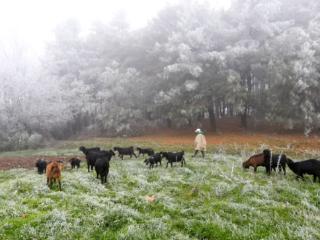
200, 143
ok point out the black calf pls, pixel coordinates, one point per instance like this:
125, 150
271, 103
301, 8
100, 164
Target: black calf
75, 162
41, 164
174, 157
148, 151
155, 159
125, 151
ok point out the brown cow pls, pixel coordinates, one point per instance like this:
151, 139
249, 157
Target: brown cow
54, 173
255, 161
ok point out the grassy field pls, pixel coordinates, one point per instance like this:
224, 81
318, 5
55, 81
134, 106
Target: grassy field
211, 198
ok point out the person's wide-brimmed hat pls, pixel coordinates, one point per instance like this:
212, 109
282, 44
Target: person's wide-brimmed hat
198, 130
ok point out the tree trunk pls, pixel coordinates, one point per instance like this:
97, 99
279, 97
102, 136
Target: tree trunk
230, 110
246, 80
169, 123
212, 116
244, 119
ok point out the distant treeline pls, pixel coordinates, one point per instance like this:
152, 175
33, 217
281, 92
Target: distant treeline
257, 60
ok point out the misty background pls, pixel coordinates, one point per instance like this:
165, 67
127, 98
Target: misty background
185, 64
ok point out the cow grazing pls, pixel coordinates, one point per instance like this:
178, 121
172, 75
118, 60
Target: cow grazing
41, 164
174, 157
143, 151
263, 159
153, 160
255, 161
125, 151
311, 166
91, 155
75, 163
102, 165
53, 172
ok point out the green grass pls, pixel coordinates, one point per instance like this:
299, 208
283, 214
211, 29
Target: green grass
212, 198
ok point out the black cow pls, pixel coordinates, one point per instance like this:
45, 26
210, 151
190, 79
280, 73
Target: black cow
143, 151
277, 161
155, 159
41, 164
102, 165
125, 151
75, 162
87, 150
311, 166
91, 155
174, 157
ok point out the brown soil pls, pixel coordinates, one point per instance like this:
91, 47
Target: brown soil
291, 144
25, 162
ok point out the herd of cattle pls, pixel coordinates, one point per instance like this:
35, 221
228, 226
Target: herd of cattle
100, 161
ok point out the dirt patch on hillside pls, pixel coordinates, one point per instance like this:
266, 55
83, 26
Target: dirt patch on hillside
26, 162
296, 143
290, 144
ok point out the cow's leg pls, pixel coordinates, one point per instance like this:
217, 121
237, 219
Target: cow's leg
301, 176
268, 169
107, 173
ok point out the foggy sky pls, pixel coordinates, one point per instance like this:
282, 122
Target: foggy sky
32, 22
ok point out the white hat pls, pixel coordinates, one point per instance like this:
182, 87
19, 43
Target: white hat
197, 130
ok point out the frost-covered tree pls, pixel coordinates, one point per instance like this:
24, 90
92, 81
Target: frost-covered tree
26, 115
257, 61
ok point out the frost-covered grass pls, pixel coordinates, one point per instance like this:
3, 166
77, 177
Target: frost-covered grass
208, 199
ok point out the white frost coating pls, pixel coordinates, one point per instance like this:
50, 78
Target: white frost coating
191, 85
